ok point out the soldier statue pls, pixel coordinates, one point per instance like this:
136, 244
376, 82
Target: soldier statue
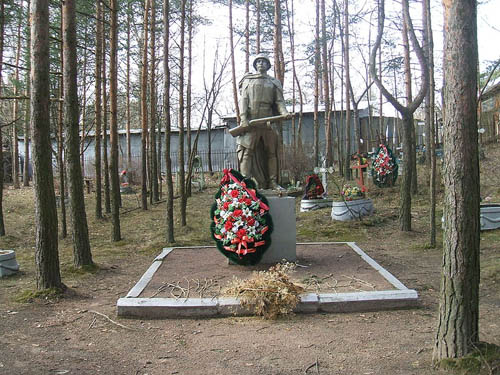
261, 97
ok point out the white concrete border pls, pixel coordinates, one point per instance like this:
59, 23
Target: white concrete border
131, 306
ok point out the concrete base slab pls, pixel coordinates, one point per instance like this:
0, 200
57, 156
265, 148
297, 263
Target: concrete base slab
399, 296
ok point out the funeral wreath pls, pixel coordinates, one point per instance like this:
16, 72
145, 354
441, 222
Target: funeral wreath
241, 223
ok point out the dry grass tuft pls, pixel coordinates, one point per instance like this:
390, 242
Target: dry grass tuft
269, 293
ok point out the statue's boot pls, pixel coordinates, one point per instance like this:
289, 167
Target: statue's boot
272, 165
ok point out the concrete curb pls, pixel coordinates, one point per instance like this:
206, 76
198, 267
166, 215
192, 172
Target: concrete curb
155, 308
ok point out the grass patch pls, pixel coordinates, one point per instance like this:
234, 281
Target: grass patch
72, 270
28, 296
484, 359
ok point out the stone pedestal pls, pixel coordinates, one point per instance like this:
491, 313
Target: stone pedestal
284, 236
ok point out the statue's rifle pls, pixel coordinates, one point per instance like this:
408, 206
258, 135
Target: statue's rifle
239, 130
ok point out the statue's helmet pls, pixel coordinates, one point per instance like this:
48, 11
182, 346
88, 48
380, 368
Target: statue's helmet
261, 56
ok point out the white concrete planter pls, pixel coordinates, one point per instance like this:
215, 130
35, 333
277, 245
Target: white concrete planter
490, 216
350, 210
8, 263
314, 204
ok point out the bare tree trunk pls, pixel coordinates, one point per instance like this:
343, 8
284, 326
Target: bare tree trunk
406, 112
381, 100
98, 110
457, 332
247, 36
279, 63
233, 66
431, 135
15, 111
326, 88
316, 88
410, 151
144, 108
129, 146
181, 173
166, 107
46, 244
297, 144
113, 93
60, 142
154, 197
27, 132
84, 104
257, 27
107, 197
82, 255
347, 154
189, 92
2, 29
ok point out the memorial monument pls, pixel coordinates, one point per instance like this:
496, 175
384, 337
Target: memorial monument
261, 104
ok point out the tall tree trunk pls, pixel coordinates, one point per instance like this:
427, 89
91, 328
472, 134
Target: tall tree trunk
279, 62
431, 149
81, 245
144, 108
189, 92
129, 146
107, 197
316, 88
113, 96
247, 36
46, 245
27, 132
98, 110
347, 154
297, 144
410, 151
84, 104
166, 107
257, 27
180, 173
15, 111
457, 332
233, 66
326, 87
2, 29
279, 69
405, 111
154, 159
60, 140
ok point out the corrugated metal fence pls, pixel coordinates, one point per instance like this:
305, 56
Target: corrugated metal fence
220, 160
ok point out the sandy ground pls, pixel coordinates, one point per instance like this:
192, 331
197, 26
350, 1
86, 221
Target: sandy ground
68, 336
